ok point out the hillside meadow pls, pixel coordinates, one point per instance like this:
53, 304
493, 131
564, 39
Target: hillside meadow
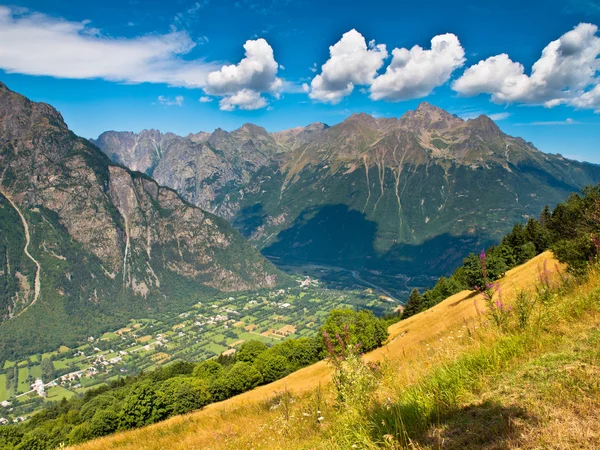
449, 379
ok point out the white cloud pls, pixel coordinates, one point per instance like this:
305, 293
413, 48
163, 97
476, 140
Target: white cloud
416, 72
499, 116
589, 100
351, 62
243, 83
245, 99
205, 99
564, 74
568, 121
37, 44
168, 101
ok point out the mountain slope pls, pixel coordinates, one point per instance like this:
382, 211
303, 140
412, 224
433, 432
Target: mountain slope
491, 392
90, 242
397, 196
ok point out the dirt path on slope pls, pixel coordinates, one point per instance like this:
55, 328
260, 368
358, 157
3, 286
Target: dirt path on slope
37, 283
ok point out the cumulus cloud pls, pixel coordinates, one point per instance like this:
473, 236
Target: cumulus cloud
242, 84
245, 99
168, 101
352, 62
564, 74
37, 44
205, 99
416, 72
589, 100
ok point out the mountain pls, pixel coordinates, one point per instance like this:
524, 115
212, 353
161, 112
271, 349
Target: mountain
86, 243
201, 167
396, 195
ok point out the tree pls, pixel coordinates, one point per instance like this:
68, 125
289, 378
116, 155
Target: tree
241, 378
48, 370
208, 370
248, 351
362, 327
272, 367
182, 395
142, 406
413, 305
104, 422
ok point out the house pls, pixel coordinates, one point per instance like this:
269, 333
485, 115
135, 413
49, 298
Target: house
3, 421
5, 404
38, 386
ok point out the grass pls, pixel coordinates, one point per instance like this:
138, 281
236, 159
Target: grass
4, 394
449, 379
57, 393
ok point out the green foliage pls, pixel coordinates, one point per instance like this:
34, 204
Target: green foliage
241, 378
208, 370
48, 370
363, 328
184, 394
413, 305
572, 231
272, 367
142, 406
248, 351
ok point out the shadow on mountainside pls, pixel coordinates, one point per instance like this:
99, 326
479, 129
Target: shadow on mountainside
338, 235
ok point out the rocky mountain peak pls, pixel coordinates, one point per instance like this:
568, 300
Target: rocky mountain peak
484, 125
253, 129
18, 115
430, 117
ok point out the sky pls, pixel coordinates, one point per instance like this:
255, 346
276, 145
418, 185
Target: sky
188, 66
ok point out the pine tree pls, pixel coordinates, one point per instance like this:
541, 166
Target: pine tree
413, 305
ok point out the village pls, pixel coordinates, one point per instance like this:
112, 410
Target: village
208, 329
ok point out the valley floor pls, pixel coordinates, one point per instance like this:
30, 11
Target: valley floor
450, 379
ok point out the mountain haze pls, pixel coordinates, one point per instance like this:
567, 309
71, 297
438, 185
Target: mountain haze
106, 242
402, 195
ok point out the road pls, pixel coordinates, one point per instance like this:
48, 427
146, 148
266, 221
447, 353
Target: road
373, 285
37, 283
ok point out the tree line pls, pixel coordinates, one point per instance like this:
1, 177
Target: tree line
571, 231
181, 386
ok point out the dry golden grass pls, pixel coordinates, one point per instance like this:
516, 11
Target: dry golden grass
245, 421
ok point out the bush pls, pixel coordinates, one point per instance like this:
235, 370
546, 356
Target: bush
362, 327
241, 378
182, 395
248, 351
142, 406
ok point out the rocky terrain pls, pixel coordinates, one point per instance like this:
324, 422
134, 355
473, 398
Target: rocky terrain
403, 195
105, 241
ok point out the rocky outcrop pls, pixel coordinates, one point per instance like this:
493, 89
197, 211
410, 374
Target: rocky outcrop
134, 233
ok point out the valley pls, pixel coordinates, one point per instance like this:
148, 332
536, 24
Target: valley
213, 327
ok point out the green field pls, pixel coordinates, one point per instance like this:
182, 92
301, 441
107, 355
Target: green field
3, 392
56, 393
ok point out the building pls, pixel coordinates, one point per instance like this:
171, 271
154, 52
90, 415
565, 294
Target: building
38, 386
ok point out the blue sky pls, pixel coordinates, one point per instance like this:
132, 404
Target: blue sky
129, 65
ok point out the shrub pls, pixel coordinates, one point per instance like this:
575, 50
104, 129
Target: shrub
362, 327
250, 350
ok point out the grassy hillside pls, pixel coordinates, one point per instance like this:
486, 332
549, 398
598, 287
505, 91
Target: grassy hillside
447, 378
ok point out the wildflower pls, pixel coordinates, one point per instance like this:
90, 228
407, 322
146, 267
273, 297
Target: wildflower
321, 418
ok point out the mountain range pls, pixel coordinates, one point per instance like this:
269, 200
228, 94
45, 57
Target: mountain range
406, 195
86, 243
